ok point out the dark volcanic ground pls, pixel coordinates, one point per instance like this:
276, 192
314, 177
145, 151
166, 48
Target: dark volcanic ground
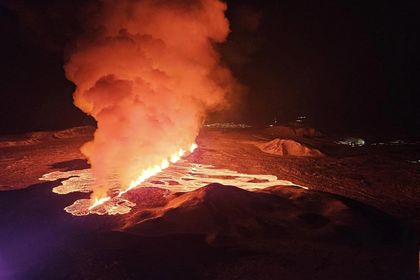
359, 220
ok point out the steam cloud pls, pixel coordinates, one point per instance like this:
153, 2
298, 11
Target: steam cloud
148, 72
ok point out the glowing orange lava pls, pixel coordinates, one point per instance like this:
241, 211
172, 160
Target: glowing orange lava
99, 201
183, 176
146, 174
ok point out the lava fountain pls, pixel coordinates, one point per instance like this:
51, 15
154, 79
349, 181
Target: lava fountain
148, 72
145, 174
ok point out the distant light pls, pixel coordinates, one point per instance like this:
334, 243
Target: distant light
352, 142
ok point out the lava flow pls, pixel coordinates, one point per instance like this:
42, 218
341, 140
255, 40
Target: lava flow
145, 174
182, 176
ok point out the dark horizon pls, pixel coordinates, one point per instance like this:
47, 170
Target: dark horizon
349, 67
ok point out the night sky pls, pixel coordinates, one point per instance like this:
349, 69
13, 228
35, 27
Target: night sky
349, 66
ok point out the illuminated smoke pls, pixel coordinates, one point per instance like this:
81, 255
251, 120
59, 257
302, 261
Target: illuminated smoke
148, 72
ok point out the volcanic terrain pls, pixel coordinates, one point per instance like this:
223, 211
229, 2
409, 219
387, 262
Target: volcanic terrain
248, 203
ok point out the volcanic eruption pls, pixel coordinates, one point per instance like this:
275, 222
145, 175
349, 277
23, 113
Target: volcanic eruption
148, 72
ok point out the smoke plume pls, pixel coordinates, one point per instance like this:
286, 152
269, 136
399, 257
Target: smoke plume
148, 72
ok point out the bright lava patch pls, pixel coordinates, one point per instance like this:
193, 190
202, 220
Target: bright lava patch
180, 177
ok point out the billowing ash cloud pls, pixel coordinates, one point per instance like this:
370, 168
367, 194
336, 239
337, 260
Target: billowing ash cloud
148, 72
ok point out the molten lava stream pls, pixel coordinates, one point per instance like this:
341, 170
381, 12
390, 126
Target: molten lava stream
146, 174
99, 201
